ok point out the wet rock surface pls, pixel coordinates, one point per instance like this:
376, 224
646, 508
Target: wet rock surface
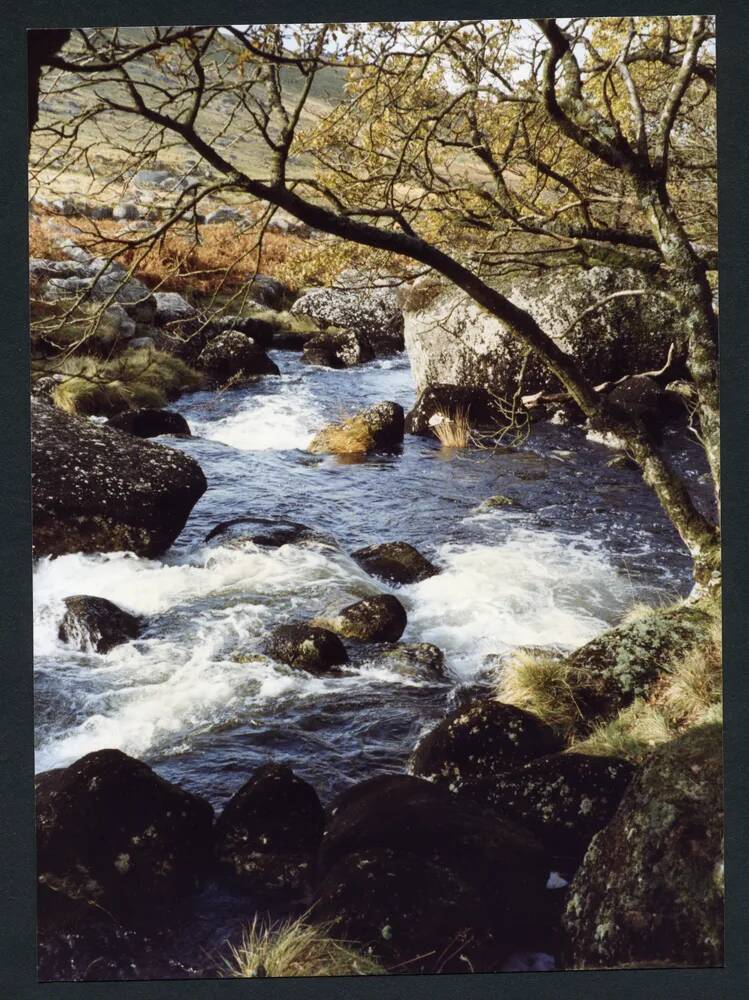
373, 619
269, 832
264, 531
306, 647
395, 562
650, 890
148, 423
420, 660
447, 401
96, 624
98, 490
479, 741
233, 354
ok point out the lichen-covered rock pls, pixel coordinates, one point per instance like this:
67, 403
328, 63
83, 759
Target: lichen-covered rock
373, 619
480, 741
270, 830
564, 799
650, 890
437, 400
231, 354
451, 339
111, 833
99, 279
337, 349
369, 310
94, 623
148, 423
260, 330
306, 647
419, 840
172, 307
419, 660
385, 421
622, 663
396, 562
99, 490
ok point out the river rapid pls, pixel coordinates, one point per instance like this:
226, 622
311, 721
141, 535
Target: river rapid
580, 545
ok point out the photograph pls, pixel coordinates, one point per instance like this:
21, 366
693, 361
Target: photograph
376, 484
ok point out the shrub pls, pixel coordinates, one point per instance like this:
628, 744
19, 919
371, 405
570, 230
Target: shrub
295, 948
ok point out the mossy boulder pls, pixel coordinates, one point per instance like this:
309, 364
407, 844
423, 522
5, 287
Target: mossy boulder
306, 647
650, 889
395, 562
270, 830
96, 624
374, 619
565, 799
623, 663
417, 660
479, 741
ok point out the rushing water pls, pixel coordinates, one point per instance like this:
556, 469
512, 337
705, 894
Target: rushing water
582, 543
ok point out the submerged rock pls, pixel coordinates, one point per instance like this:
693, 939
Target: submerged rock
148, 423
99, 490
264, 531
420, 660
269, 832
111, 833
306, 647
232, 354
337, 349
650, 890
564, 799
396, 562
373, 312
94, 623
373, 619
480, 741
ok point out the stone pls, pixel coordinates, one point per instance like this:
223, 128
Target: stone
148, 423
418, 660
306, 647
126, 211
98, 490
441, 400
94, 624
395, 562
373, 312
265, 531
337, 349
374, 619
233, 354
172, 307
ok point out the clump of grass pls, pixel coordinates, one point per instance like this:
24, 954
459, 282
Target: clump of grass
352, 437
632, 734
295, 948
135, 379
695, 686
543, 684
452, 431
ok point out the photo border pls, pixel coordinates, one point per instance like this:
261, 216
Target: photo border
17, 870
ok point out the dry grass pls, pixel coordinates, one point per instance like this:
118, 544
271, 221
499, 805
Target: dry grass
352, 437
452, 431
541, 684
295, 948
695, 687
135, 379
632, 734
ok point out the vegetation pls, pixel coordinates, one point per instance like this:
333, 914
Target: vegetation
295, 948
452, 431
351, 437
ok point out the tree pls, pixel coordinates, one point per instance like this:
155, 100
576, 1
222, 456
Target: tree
465, 148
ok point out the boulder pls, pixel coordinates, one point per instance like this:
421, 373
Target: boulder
96, 624
419, 660
650, 890
337, 349
154, 179
224, 214
231, 354
440, 400
306, 647
564, 799
148, 423
421, 829
378, 428
385, 422
269, 832
374, 619
480, 741
371, 311
260, 330
111, 833
98, 490
99, 279
396, 562
172, 307
264, 531
451, 340
63, 206
623, 663
268, 291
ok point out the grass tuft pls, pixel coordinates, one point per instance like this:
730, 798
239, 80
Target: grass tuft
452, 431
352, 437
632, 734
542, 684
295, 948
